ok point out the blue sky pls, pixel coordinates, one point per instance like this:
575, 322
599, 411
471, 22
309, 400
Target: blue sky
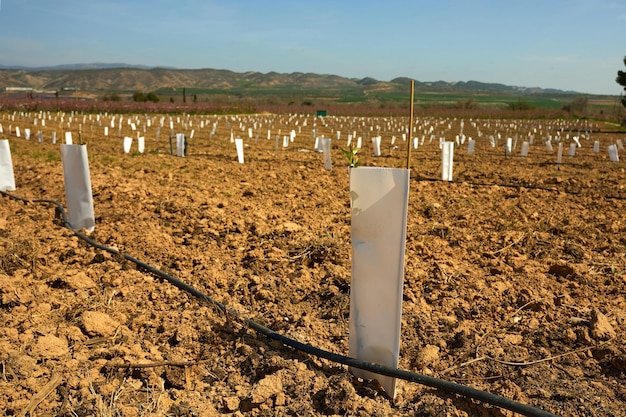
567, 44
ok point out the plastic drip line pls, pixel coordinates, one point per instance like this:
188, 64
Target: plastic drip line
437, 383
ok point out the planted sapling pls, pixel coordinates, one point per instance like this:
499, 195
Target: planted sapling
351, 155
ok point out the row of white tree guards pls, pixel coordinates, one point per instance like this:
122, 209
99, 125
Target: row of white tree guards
340, 128
377, 134
379, 196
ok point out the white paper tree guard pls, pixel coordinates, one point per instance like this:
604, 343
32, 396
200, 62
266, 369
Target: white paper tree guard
620, 145
7, 177
78, 187
68, 138
141, 144
379, 201
559, 153
596, 146
128, 142
239, 146
470, 146
524, 151
180, 144
509, 145
376, 145
54, 138
328, 164
447, 160
106, 131
27, 134
17, 131
572, 149
549, 146
613, 155
318, 144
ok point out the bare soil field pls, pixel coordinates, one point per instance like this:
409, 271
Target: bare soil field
514, 271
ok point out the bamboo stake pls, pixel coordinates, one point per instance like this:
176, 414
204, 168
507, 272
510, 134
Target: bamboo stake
409, 139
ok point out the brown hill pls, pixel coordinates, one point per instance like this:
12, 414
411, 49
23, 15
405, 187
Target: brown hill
134, 79
99, 78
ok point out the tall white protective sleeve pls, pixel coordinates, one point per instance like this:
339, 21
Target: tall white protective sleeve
78, 186
379, 200
470, 146
328, 163
376, 145
128, 142
7, 177
180, 145
239, 147
447, 161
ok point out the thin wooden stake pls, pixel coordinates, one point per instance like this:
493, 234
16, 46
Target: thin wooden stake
410, 139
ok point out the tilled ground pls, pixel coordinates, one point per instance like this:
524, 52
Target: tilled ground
514, 281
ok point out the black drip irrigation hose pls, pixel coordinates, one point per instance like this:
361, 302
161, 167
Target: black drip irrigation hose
441, 384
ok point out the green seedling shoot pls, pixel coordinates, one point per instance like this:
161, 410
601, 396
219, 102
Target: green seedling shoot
351, 155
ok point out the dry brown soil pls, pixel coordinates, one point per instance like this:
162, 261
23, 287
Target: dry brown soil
514, 273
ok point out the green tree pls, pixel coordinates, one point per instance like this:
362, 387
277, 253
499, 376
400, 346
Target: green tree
111, 97
152, 97
139, 96
521, 105
142, 97
577, 105
621, 80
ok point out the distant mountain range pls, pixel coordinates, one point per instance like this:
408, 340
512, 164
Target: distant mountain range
119, 77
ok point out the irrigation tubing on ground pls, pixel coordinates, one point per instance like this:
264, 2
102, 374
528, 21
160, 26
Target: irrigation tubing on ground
437, 383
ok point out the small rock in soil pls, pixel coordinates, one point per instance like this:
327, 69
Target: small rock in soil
266, 388
50, 347
600, 327
427, 356
96, 323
